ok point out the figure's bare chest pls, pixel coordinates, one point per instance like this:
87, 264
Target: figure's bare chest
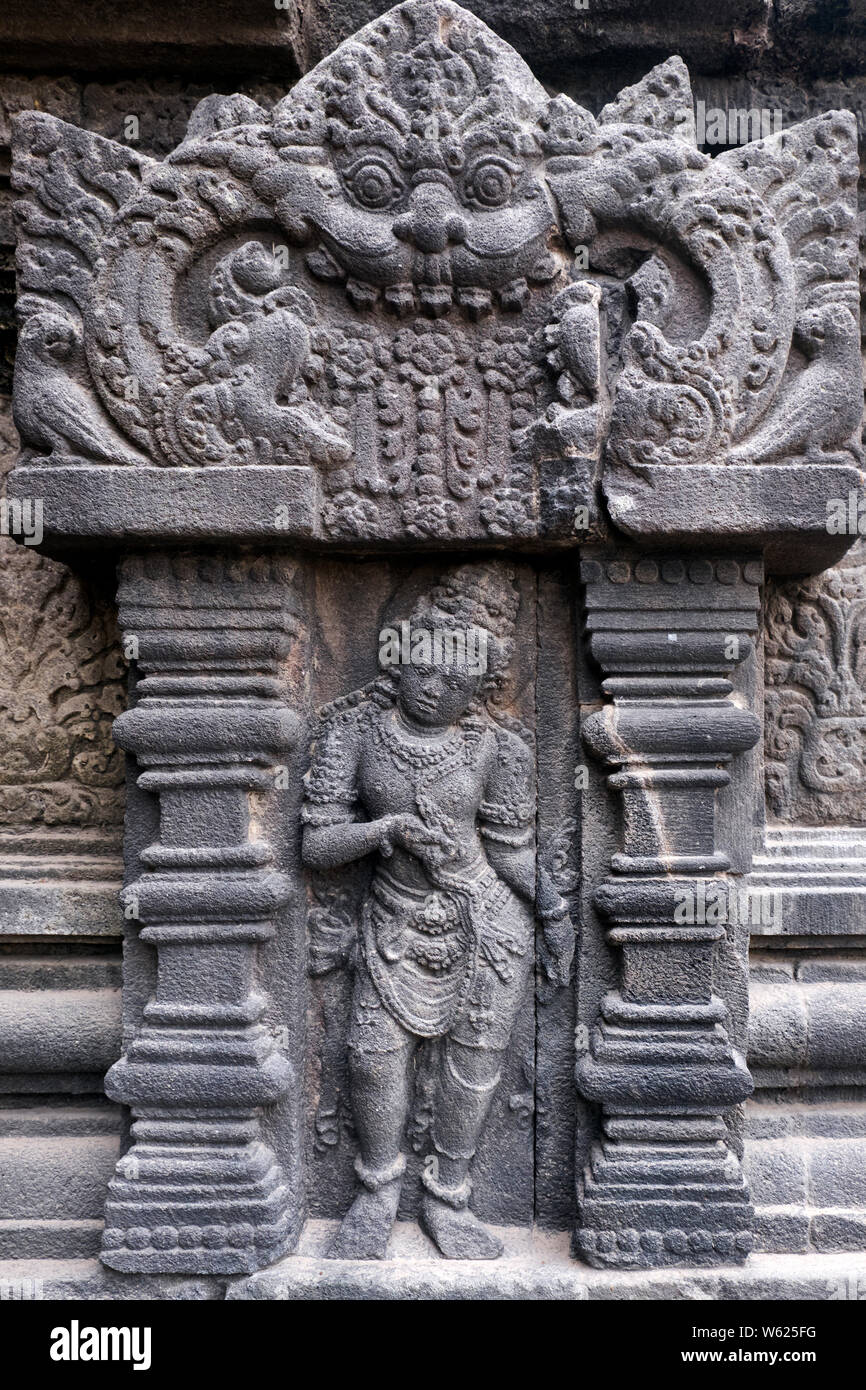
392, 774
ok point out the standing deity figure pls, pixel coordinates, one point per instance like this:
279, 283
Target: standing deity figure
420, 772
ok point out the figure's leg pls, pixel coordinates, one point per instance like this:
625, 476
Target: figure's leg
381, 1085
380, 1078
381, 1091
467, 1082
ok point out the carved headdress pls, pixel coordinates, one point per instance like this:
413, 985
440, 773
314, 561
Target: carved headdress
479, 596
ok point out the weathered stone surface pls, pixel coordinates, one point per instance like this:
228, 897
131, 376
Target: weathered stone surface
490, 413
279, 354
221, 36
818, 38
538, 1268
555, 35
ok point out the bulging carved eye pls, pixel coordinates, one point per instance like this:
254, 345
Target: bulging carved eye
374, 184
489, 182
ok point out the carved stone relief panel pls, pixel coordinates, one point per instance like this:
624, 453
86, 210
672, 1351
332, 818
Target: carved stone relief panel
420, 299
422, 944
815, 734
347, 375
62, 683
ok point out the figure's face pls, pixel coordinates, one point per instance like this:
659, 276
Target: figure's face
426, 171
483, 224
436, 696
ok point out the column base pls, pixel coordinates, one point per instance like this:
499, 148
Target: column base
197, 1205
662, 1248
650, 1206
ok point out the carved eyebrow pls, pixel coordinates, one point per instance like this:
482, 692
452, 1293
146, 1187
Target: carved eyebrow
369, 154
494, 156
485, 138
387, 142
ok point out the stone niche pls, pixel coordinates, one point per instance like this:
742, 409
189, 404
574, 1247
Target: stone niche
424, 353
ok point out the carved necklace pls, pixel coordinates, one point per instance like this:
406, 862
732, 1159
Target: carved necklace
411, 753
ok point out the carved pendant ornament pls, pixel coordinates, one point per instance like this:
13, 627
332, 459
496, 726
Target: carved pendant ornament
442, 302
403, 937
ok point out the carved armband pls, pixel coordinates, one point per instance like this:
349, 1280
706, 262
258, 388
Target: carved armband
506, 814
330, 794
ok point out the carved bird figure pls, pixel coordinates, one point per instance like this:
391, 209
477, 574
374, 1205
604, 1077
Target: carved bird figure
51, 409
579, 342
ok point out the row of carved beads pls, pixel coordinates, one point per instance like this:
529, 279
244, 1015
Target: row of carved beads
648, 571
676, 1241
236, 1237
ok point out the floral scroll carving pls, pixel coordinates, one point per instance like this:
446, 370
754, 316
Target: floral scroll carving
815, 738
62, 684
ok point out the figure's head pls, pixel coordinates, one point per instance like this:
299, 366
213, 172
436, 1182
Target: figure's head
415, 155
50, 336
456, 648
827, 324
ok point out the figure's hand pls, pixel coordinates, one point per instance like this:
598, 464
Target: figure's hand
557, 931
410, 833
396, 832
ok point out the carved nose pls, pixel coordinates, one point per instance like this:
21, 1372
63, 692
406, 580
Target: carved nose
431, 225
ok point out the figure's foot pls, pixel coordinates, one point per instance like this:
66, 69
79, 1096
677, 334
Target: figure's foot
367, 1224
457, 1231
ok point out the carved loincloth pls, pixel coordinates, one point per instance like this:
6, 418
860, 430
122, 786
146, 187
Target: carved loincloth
423, 948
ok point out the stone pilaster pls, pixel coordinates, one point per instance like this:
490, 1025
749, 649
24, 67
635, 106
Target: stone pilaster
663, 1184
200, 1191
